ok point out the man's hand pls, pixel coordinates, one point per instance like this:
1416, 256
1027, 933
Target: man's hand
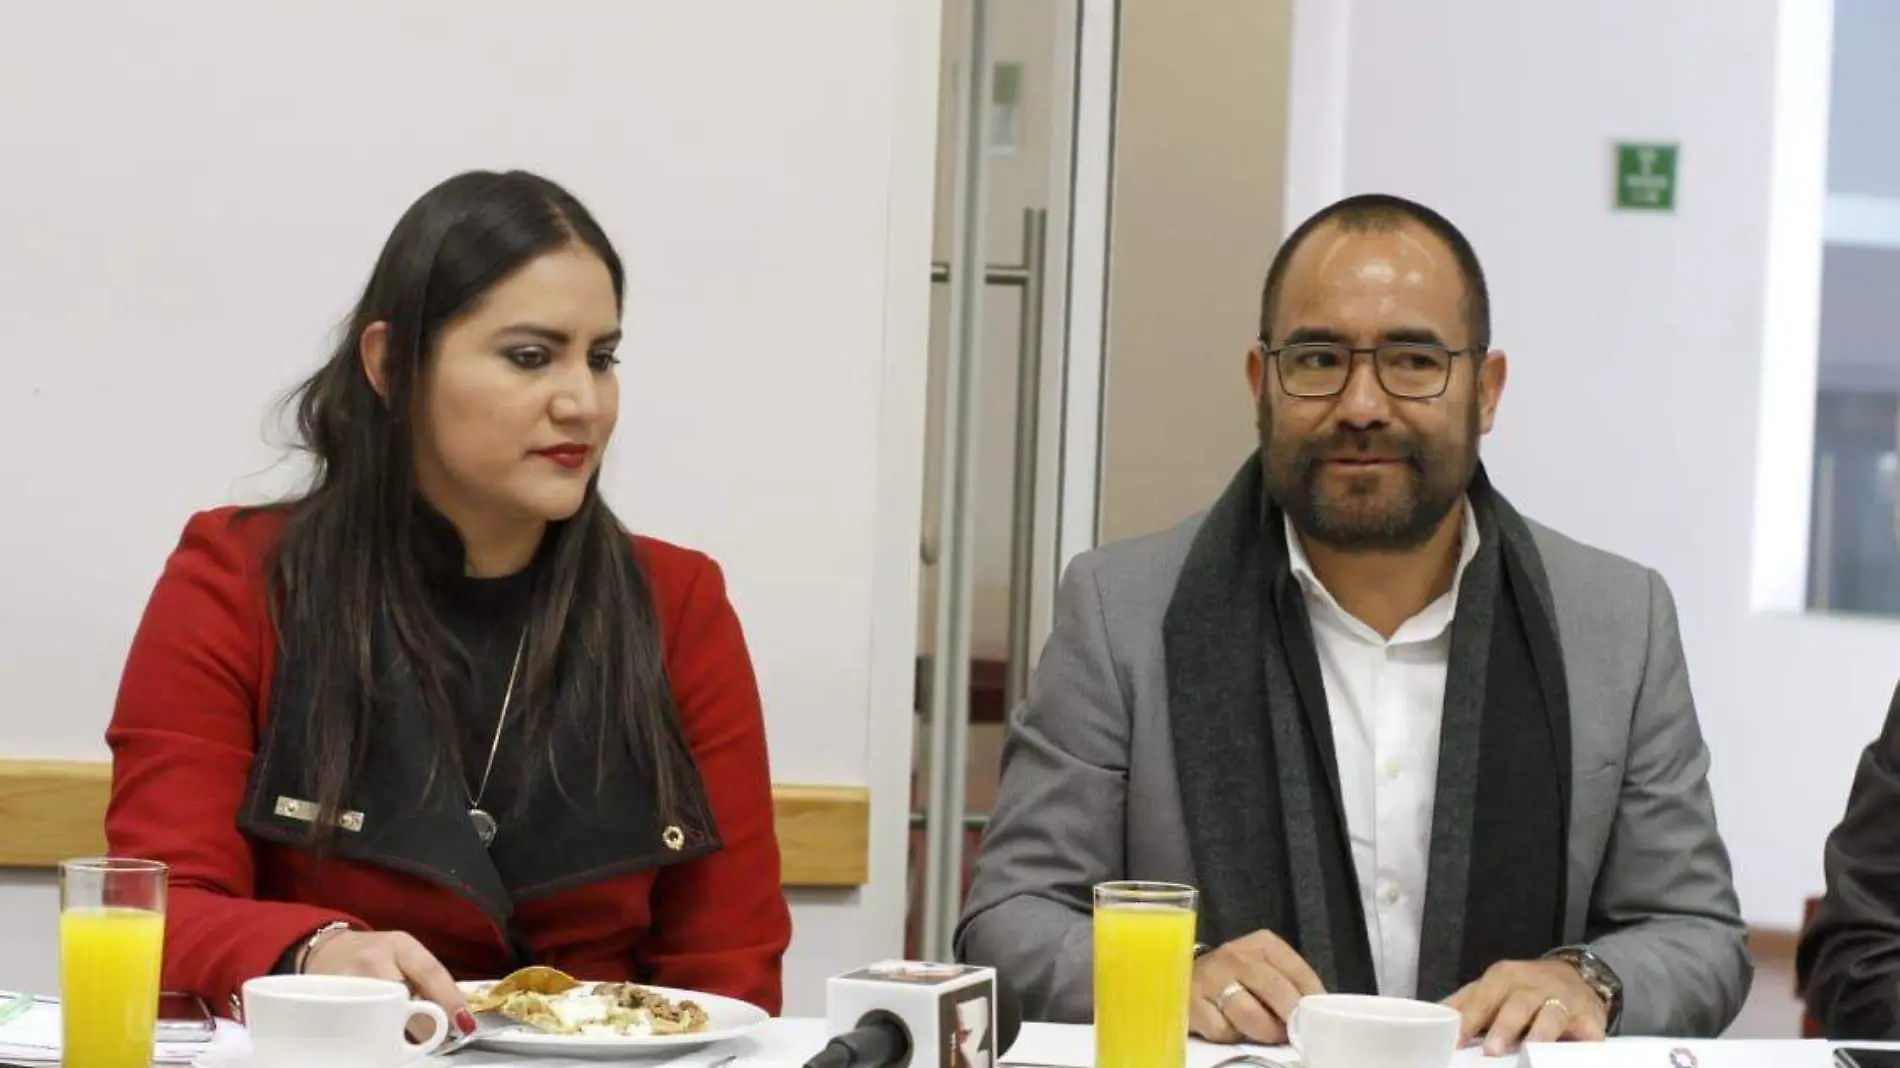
1247, 988
1529, 1001
392, 955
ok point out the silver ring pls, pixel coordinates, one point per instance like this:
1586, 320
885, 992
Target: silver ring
1227, 994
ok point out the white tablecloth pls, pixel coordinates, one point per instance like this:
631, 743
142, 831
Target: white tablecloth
787, 1043
1073, 1047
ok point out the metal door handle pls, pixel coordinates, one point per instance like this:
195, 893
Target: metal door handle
1027, 277
1022, 538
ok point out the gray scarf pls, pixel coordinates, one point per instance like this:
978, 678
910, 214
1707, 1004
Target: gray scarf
1259, 780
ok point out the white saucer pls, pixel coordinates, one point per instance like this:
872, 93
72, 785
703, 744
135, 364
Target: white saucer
243, 1057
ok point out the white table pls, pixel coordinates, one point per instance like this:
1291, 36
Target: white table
1059, 1046
787, 1043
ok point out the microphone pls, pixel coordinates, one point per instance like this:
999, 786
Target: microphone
881, 1042
908, 1014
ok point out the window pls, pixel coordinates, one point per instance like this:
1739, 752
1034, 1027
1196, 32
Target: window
1854, 560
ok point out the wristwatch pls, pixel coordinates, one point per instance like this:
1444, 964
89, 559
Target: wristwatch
1597, 976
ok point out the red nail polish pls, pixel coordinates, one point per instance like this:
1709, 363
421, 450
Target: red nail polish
465, 1022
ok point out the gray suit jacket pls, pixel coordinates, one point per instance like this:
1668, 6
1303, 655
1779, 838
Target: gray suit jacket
1089, 790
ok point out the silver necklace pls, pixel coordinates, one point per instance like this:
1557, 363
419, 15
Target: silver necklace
485, 825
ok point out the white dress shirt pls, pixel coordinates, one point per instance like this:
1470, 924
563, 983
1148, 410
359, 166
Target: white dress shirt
1387, 699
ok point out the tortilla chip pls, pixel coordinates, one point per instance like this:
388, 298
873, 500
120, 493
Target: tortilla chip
538, 979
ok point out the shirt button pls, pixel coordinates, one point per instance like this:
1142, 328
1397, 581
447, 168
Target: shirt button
1390, 895
1391, 769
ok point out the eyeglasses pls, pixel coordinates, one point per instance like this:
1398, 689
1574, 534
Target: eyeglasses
1411, 370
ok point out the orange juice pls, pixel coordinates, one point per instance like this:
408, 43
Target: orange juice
108, 975
1144, 964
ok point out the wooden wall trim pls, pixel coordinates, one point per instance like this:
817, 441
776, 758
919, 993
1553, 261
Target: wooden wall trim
53, 809
1773, 944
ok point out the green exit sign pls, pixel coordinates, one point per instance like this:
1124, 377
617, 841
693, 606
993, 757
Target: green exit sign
1645, 177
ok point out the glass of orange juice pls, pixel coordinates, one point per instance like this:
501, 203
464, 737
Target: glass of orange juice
1144, 964
111, 937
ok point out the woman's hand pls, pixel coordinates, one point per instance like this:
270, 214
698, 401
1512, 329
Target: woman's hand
392, 955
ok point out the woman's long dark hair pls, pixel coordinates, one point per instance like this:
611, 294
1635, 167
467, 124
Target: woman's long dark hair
348, 575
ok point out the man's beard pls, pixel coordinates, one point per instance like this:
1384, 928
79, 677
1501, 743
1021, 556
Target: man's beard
1364, 516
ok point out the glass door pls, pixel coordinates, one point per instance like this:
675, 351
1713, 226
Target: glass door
1000, 295
1069, 403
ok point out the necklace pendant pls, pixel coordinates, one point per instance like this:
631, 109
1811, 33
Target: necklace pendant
485, 826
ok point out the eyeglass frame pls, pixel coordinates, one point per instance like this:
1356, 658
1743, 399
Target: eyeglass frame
1476, 353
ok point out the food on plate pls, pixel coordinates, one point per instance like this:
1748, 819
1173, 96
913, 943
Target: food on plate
551, 1001
665, 1016
538, 979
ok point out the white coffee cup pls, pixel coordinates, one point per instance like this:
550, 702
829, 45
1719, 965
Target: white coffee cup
1357, 1030
335, 1021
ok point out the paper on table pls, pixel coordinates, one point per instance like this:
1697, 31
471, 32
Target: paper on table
1655, 1053
1074, 1047
33, 1037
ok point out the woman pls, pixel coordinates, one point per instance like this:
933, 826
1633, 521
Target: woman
438, 716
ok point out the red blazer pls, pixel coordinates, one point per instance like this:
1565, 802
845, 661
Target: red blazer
191, 709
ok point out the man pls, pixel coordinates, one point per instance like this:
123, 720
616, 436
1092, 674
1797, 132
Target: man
1849, 960
1402, 739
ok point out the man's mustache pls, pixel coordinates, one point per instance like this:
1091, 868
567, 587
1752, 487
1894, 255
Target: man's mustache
1351, 444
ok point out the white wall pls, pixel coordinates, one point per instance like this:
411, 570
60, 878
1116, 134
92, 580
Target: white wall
195, 193
1662, 365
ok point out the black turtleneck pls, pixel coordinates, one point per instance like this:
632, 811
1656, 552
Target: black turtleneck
488, 617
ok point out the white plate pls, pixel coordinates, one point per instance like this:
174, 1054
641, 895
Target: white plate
727, 1018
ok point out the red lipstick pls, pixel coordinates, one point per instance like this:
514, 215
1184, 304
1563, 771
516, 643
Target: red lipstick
569, 456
